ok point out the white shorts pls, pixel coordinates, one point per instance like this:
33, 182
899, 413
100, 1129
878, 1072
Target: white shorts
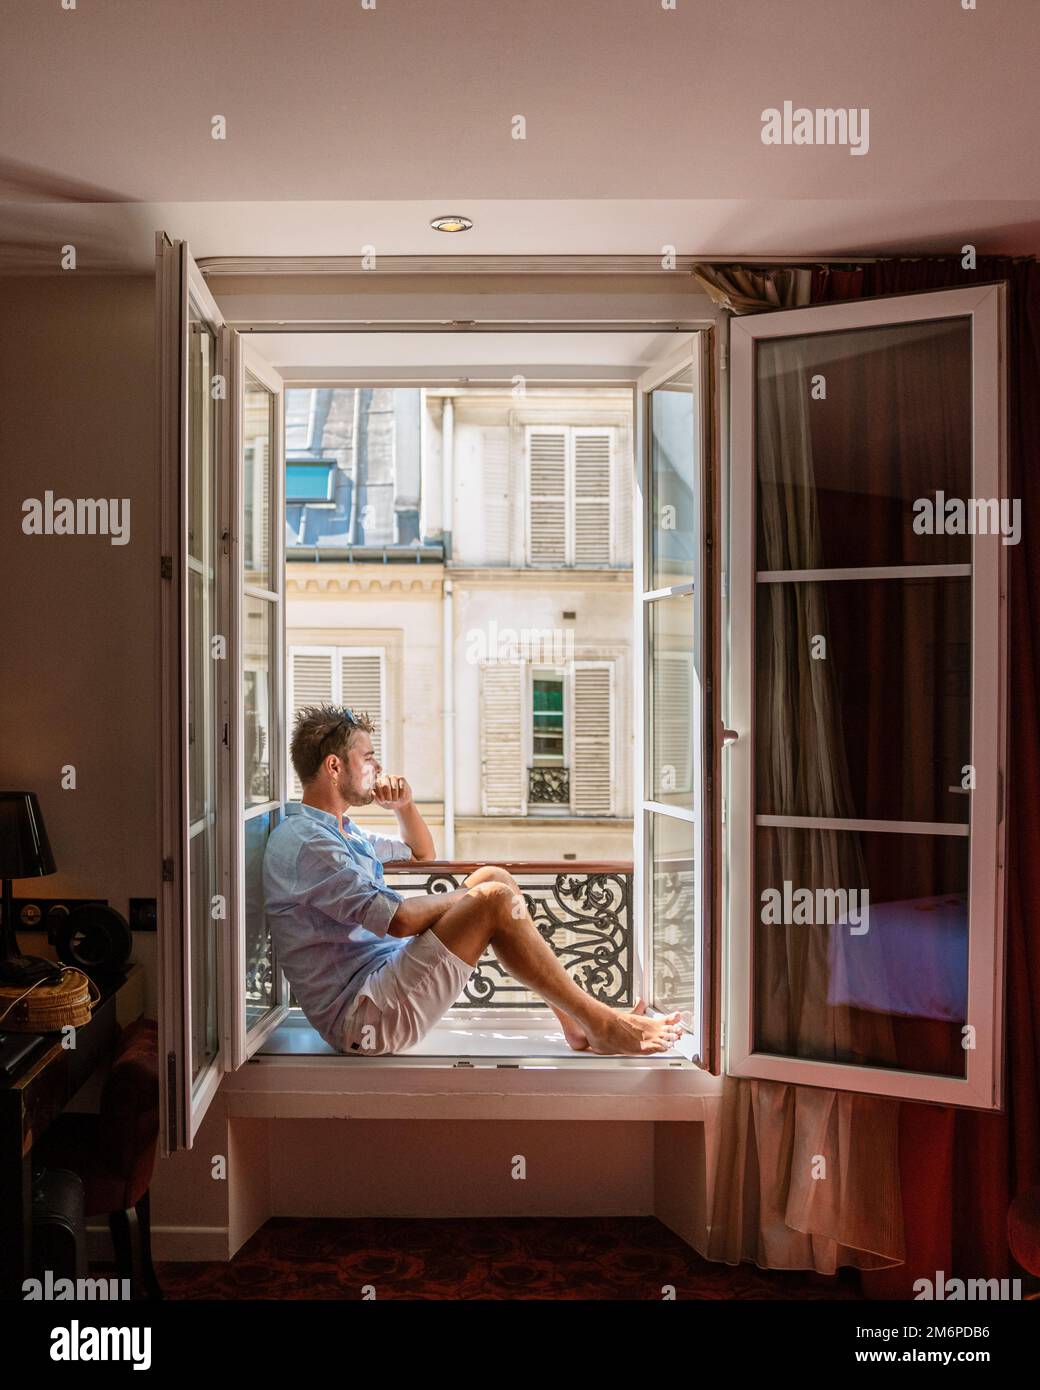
404, 997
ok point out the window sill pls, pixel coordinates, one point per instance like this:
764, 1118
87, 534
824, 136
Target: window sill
467, 1069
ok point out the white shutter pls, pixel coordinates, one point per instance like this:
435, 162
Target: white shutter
622, 500
547, 496
494, 499
361, 689
592, 771
310, 683
501, 743
592, 469
673, 718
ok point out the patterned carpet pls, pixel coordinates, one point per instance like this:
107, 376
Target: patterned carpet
499, 1258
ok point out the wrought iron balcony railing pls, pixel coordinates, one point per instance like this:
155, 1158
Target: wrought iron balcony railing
548, 786
584, 912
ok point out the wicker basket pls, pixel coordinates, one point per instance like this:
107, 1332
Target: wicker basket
47, 1008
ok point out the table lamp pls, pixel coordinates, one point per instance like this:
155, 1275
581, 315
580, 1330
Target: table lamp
25, 852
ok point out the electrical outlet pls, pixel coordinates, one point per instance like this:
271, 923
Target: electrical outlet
44, 914
142, 914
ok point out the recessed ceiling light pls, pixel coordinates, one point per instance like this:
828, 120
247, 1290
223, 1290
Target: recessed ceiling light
451, 224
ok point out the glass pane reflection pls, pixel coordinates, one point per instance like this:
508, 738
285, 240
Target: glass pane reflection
876, 980
852, 429
257, 484
672, 678
260, 967
672, 901
257, 691
672, 519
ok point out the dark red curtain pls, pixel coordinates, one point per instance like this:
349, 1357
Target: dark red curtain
960, 1169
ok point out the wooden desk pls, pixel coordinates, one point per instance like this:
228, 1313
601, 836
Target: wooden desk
32, 1100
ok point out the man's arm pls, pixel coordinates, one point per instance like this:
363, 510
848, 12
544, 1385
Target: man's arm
414, 914
397, 794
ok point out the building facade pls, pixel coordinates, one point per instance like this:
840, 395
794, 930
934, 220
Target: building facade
489, 640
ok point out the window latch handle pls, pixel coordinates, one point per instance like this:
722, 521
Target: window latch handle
729, 736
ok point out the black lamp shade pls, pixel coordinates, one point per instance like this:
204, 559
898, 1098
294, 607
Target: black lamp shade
25, 851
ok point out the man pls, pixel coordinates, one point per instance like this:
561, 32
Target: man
374, 971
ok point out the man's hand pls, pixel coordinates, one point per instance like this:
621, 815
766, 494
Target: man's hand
393, 792
396, 794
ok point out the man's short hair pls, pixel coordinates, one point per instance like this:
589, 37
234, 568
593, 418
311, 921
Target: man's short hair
320, 730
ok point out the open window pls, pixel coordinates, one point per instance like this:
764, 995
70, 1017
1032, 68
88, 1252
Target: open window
221, 648
866, 688
676, 791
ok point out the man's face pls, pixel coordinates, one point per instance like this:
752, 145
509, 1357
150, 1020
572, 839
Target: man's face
359, 768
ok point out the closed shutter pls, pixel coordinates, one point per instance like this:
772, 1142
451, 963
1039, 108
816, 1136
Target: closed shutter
592, 468
673, 721
494, 500
361, 689
547, 497
593, 725
622, 499
501, 747
310, 683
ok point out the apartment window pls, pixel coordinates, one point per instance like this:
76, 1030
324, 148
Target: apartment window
570, 516
327, 675
309, 483
548, 738
861, 699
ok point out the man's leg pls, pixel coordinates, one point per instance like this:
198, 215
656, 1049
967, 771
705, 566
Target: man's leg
493, 913
572, 1029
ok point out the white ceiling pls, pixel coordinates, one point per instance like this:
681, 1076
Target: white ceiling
350, 126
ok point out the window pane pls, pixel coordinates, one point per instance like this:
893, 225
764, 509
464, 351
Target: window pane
863, 699
851, 430
260, 969
201, 436
671, 700
202, 885
199, 709
893, 995
672, 899
257, 688
672, 518
257, 484
547, 719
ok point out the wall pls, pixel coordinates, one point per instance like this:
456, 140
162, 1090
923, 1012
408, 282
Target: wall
77, 416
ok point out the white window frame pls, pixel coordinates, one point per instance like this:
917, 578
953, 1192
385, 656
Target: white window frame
570, 503
692, 355
243, 1041
981, 1088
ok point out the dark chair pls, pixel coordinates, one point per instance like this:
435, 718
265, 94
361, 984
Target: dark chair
114, 1152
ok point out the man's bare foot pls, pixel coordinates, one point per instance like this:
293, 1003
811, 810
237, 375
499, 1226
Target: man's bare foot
627, 1032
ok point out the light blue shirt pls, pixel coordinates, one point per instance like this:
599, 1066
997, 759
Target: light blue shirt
329, 909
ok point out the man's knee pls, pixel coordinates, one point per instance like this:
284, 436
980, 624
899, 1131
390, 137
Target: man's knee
492, 873
504, 905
